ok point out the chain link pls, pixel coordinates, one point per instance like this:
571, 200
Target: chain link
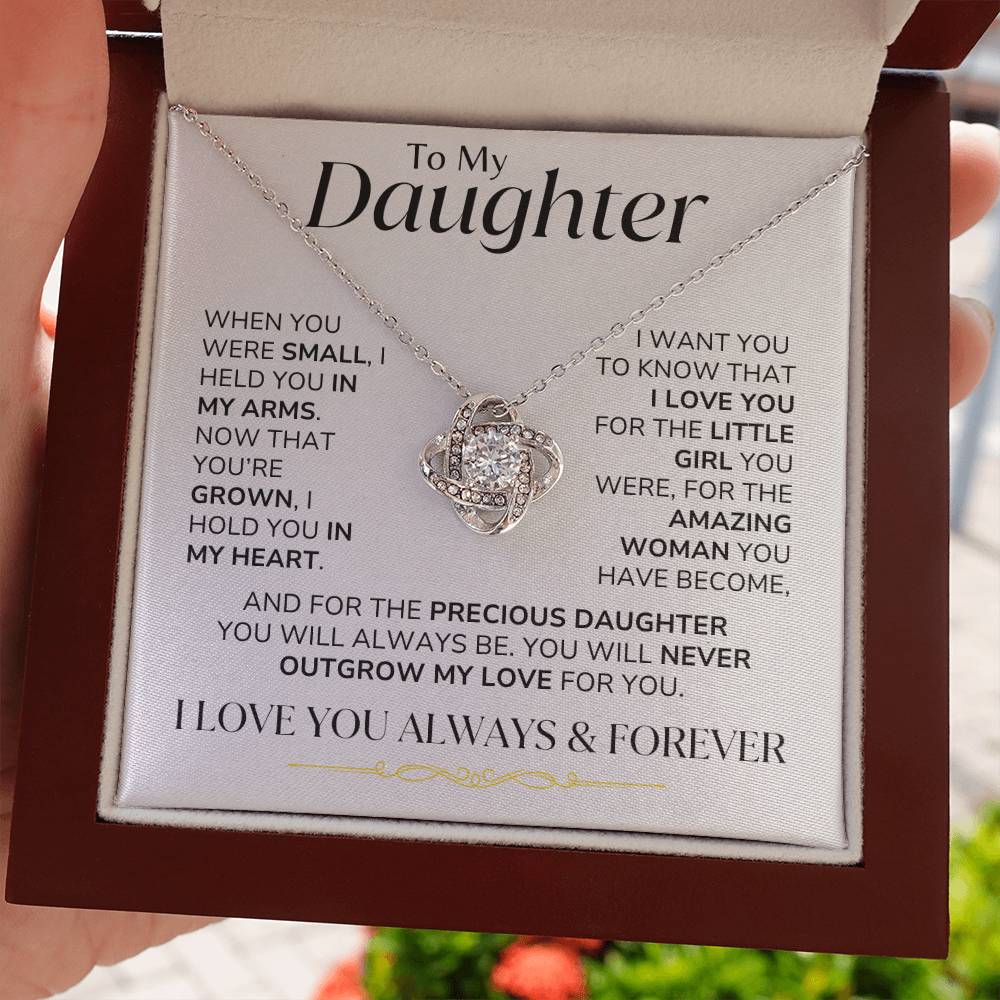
419, 350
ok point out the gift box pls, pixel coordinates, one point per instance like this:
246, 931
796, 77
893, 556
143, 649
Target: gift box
171, 763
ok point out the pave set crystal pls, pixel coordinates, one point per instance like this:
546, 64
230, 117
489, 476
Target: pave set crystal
490, 465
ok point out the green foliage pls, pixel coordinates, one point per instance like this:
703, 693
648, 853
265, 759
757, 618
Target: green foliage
974, 958
437, 965
667, 972
430, 964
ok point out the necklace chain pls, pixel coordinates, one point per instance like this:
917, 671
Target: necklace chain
419, 350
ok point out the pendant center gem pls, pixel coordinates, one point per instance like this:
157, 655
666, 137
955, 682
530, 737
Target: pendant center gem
491, 459
489, 466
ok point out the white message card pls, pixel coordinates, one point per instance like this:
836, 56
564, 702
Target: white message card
657, 647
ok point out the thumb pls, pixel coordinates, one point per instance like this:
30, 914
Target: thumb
53, 99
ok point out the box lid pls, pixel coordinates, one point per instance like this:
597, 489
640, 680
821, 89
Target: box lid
938, 35
753, 67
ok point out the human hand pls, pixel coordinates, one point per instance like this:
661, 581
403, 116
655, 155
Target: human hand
53, 92
975, 182
53, 98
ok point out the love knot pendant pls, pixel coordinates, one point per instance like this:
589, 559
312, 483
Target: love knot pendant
489, 465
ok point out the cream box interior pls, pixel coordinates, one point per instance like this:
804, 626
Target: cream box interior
803, 71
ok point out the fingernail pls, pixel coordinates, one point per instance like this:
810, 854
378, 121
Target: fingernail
984, 313
47, 319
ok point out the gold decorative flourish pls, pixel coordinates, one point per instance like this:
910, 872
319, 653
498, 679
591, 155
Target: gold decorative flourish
464, 777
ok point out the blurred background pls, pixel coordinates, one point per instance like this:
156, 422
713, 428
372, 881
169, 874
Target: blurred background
269, 960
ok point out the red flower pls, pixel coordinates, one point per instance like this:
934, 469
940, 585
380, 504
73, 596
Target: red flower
344, 981
546, 970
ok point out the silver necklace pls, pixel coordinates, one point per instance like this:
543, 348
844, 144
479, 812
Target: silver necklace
490, 465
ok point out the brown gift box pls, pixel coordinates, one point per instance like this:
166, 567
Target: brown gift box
893, 902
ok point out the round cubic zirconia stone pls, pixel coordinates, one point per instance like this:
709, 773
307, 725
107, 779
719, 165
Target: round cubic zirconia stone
491, 459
